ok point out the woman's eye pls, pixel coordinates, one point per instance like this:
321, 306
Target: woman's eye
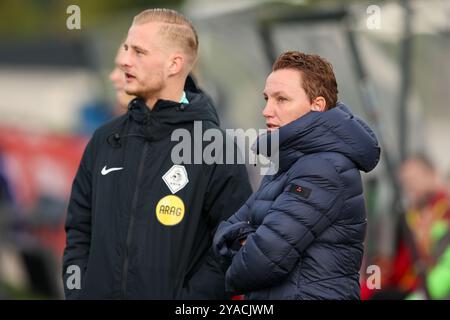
281, 99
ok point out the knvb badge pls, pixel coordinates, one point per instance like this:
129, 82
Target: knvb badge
176, 178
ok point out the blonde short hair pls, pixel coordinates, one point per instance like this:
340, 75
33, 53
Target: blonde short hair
175, 27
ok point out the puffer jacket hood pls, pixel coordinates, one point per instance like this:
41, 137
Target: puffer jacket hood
335, 130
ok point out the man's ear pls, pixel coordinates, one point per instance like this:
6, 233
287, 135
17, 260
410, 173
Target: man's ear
319, 104
176, 63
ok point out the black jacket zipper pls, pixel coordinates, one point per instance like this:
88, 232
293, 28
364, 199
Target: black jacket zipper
131, 223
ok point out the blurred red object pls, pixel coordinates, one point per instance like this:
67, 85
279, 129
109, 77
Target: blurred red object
39, 164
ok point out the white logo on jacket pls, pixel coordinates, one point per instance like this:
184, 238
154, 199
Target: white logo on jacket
176, 178
106, 171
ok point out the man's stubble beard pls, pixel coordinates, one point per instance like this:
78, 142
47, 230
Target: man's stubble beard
146, 92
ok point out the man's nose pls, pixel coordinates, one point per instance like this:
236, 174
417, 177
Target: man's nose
124, 60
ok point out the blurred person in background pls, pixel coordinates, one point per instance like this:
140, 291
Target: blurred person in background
5, 193
428, 215
138, 226
300, 236
117, 78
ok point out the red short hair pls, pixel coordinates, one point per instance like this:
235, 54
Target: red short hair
317, 74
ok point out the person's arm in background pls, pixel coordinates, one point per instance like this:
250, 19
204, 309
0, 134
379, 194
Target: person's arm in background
228, 189
78, 222
292, 223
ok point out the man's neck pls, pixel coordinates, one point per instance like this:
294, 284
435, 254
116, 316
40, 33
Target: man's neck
174, 93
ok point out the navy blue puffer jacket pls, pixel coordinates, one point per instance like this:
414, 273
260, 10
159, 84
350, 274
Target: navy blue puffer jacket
304, 226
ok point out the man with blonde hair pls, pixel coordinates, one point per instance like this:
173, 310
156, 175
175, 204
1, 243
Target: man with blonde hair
139, 225
160, 52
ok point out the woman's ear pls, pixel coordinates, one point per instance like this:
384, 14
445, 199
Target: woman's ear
319, 104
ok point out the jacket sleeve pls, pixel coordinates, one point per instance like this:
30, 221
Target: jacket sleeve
78, 222
295, 219
228, 189
229, 232
242, 215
